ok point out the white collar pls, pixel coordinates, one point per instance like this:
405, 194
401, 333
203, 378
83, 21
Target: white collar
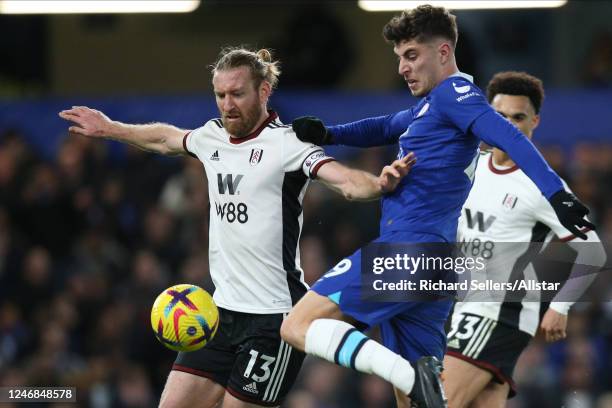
463, 75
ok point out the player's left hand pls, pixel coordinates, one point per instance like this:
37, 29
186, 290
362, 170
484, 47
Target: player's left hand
571, 213
553, 325
392, 174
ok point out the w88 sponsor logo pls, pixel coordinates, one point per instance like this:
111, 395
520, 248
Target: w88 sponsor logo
232, 212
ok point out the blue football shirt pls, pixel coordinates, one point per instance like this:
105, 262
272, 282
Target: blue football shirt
440, 129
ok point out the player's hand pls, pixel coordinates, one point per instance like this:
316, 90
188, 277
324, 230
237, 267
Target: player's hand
392, 174
553, 325
311, 130
571, 213
87, 121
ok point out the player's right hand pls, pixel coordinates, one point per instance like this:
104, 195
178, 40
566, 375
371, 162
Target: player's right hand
571, 213
87, 121
311, 130
553, 326
392, 174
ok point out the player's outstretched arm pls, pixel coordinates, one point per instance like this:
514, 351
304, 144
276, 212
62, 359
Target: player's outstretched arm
590, 260
360, 185
377, 131
498, 132
155, 137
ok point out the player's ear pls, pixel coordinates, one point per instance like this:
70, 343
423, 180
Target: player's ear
264, 91
444, 52
536, 121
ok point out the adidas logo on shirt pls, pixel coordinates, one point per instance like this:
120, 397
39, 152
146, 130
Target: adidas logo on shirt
215, 156
252, 387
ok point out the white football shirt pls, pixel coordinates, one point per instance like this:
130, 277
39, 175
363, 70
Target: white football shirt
255, 185
505, 206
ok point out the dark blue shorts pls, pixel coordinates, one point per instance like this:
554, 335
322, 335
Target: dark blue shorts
411, 329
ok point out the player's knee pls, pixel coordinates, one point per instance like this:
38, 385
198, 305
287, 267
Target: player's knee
456, 401
456, 395
166, 396
493, 396
169, 399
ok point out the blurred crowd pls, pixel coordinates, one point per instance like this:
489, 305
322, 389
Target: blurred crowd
87, 241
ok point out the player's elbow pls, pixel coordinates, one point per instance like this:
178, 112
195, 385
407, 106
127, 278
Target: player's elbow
287, 331
290, 331
163, 148
348, 194
350, 189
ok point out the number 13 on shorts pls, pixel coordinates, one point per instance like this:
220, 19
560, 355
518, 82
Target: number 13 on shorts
264, 368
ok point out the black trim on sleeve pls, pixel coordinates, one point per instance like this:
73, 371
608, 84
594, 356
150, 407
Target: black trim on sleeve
185, 145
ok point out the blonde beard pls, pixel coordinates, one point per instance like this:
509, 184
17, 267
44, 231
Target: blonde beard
246, 126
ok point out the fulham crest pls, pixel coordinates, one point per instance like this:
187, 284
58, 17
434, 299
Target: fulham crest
256, 155
509, 201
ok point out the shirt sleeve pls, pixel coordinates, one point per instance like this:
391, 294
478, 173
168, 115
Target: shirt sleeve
588, 264
195, 142
376, 131
492, 128
464, 104
460, 102
307, 157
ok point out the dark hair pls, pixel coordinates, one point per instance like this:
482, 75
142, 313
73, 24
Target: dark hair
260, 63
422, 24
517, 83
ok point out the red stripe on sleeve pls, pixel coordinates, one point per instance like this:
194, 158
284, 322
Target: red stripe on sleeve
315, 169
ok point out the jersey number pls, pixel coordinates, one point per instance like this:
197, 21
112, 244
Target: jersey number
233, 212
265, 366
342, 266
465, 327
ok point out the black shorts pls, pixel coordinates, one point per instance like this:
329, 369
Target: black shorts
488, 344
248, 357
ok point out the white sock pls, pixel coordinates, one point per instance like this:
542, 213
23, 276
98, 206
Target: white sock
340, 343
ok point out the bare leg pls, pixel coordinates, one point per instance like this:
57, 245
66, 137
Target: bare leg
189, 390
229, 401
317, 326
311, 307
463, 381
493, 396
402, 400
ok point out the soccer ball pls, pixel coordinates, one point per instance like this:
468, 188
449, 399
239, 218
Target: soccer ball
184, 317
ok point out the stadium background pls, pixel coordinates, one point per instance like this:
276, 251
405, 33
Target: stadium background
90, 232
